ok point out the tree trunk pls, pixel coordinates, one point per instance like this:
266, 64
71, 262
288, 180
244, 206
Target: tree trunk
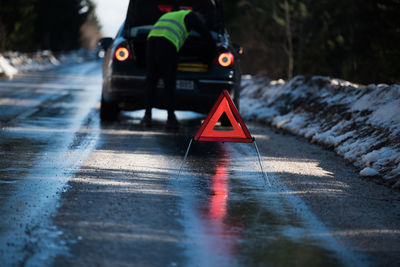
289, 40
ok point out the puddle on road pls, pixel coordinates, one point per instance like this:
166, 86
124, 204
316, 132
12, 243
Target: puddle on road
231, 220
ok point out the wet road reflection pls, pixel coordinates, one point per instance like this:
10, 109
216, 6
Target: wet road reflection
218, 201
41, 145
216, 219
232, 219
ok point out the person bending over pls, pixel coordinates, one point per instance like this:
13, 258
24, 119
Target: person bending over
164, 42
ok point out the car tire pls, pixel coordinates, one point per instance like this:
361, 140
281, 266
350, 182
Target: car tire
109, 111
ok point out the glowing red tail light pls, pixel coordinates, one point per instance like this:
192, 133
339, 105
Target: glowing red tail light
122, 53
225, 59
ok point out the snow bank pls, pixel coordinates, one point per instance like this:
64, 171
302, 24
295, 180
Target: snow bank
6, 69
361, 123
13, 62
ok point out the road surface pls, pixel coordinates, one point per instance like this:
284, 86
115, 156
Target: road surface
78, 192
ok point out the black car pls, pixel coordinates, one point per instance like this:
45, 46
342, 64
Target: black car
202, 75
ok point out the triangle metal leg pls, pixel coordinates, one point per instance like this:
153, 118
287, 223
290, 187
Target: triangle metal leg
259, 160
184, 159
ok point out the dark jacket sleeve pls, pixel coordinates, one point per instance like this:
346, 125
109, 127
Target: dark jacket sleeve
193, 22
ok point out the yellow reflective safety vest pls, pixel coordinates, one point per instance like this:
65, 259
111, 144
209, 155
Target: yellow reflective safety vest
172, 27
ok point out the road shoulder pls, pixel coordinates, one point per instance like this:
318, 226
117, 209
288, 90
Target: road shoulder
357, 211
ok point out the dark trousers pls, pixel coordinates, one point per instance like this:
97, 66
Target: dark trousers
161, 62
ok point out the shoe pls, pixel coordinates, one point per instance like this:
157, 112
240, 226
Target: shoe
146, 121
172, 123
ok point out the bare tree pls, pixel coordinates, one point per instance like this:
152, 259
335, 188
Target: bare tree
289, 48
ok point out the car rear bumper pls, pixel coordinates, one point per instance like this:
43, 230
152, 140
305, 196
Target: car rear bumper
129, 92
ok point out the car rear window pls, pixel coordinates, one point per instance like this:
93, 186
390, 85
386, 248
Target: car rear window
147, 12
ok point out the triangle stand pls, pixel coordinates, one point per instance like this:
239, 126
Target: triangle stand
240, 133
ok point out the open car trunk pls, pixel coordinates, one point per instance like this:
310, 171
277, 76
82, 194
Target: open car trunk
147, 12
195, 50
142, 14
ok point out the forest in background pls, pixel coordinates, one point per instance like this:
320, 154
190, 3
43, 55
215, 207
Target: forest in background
57, 25
356, 40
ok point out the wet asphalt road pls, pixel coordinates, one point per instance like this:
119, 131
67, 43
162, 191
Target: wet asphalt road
77, 192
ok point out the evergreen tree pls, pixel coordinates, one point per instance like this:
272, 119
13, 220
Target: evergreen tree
28, 25
17, 20
355, 40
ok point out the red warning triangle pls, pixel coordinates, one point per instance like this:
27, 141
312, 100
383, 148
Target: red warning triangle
239, 134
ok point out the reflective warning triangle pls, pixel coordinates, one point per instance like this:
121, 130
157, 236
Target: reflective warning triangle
239, 134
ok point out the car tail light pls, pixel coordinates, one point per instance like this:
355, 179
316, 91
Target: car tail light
165, 8
122, 53
225, 59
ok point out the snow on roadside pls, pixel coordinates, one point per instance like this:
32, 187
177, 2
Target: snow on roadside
361, 123
6, 69
13, 62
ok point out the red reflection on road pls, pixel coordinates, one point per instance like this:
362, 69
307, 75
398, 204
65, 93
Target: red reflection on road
226, 231
219, 187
